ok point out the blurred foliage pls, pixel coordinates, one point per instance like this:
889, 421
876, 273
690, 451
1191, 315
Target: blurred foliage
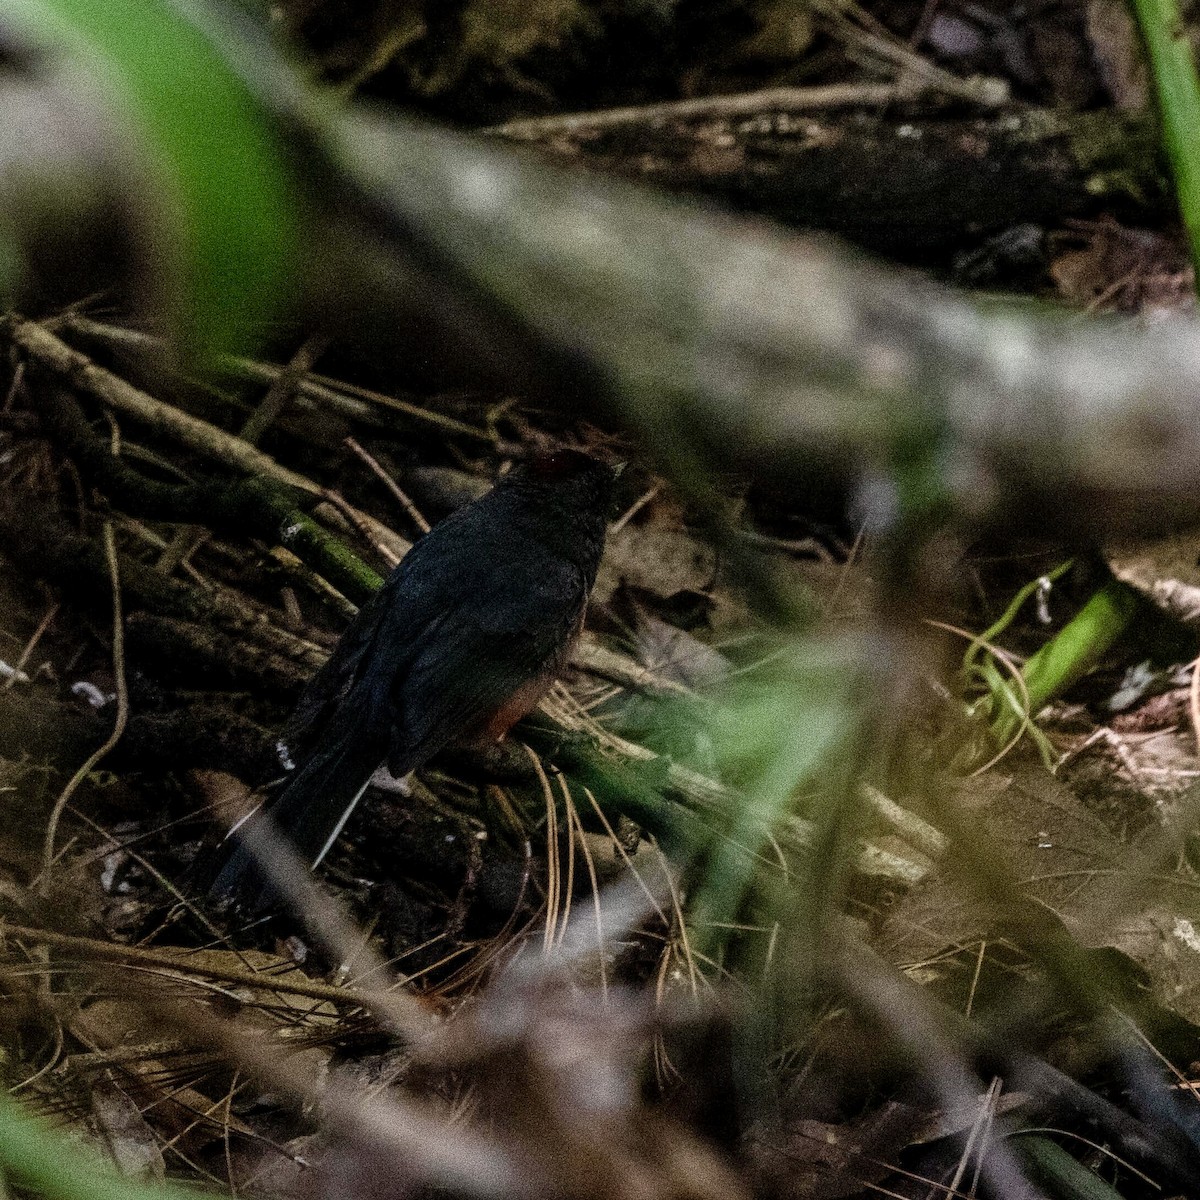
218, 192
1173, 65
788, 735
43, 1160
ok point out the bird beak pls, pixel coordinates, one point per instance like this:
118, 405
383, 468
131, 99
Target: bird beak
618, 469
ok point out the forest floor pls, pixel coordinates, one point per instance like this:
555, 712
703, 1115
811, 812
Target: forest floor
453, 964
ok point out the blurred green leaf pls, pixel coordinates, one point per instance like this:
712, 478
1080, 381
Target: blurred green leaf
1063, 1175
216, 163
788, 727
1178, 88
35, 1155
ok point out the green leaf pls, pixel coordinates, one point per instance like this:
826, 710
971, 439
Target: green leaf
1178, 88
217, 167
35, 1155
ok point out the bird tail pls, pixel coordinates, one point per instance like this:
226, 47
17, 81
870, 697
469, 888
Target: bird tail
307, 815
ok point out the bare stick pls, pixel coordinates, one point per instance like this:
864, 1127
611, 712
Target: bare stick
392, 486
283, 388
118, 636
26, 654
185, 963
166, 419
741, 104
342, 397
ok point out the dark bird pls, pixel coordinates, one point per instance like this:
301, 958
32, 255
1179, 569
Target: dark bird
464, 638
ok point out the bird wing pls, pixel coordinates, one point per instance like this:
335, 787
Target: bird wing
485, 647
330, 686
396, 620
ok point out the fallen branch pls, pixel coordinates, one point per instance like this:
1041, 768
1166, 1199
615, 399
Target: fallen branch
185, 962
706, 108
195, 735
48, 549
351, 401
906, 181
291, 525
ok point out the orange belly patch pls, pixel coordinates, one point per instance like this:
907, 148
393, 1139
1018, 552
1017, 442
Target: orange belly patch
522, 702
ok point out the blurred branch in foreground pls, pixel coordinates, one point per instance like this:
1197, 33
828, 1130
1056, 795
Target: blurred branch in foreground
779, 352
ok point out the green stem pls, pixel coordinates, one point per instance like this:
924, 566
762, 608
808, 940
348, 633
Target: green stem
1069, 656
1064, 1175
1179, 102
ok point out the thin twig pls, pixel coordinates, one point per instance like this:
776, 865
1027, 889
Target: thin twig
915, 830
197, 914
283, 388
392, 486
333, 393
26, 654
314, 582
169, 558
569, 886
741, 104
366, 527
1194, 700
118, 655
635, 508
167, 420
553, 884
589, 862
877, 39
323, 387
93, 950
14, 386
589, 655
